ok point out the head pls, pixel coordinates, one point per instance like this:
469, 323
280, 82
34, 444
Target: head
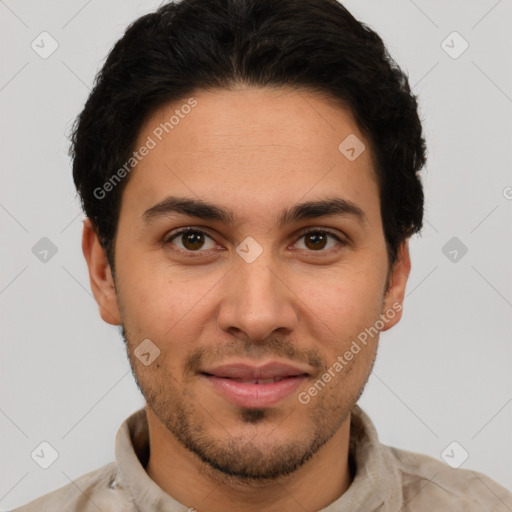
287, 142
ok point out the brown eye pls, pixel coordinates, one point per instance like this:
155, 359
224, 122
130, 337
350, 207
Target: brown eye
192, 240
317, 240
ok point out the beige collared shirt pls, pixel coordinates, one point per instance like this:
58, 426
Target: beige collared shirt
387, 480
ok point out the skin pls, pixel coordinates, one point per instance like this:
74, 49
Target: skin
255, 151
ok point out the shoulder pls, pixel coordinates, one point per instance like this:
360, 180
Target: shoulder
97, 490
429, 484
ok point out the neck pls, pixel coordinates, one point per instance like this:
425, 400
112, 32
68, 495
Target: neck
182, 475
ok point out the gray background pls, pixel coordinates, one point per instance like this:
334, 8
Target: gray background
442, 375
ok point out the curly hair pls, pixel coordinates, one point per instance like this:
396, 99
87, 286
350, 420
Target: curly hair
202, 44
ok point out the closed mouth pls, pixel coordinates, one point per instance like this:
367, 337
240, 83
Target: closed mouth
255, 380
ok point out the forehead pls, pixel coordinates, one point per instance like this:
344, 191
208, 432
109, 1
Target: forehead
253, 147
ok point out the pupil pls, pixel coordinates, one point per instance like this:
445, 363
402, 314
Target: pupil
193, 240
319, 240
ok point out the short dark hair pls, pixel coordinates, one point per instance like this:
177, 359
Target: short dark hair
203, 44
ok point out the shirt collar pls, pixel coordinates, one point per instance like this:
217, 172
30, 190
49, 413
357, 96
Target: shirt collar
377, 483
375, 487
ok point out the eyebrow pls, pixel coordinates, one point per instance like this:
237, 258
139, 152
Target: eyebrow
208, 211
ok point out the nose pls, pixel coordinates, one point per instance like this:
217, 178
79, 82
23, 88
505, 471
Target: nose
257, 300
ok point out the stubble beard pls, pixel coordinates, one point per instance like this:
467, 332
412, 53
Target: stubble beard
240, 460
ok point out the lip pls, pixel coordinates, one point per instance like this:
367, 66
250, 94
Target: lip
240, 383
247, 371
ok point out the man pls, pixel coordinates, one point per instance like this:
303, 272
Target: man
249, 173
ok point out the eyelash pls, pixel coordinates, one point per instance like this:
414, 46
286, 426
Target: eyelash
308, 231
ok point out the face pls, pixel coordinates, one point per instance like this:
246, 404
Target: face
251, 307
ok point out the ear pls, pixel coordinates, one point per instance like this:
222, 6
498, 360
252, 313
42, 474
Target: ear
100, 275
397, 281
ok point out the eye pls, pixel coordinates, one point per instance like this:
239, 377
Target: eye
317, 239
191, 240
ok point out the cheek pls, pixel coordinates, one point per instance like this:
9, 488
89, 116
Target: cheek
345, 302
152, 288
162, 304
